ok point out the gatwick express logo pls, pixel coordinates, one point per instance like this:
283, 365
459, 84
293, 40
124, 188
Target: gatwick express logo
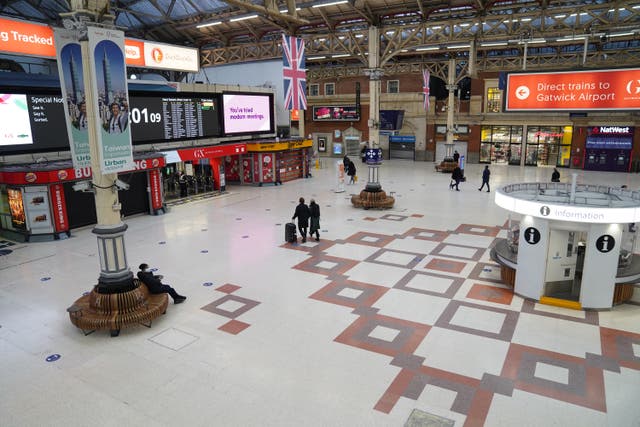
633, 87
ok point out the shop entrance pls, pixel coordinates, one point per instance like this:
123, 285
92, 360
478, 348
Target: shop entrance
565, 261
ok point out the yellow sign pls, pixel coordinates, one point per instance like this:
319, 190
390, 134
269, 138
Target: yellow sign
267, 146
278, 146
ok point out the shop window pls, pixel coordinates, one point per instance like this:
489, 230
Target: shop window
393, 86
329, 89
494, 100
314, 89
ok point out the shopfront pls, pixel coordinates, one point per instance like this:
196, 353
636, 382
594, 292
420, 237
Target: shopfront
541, 145
608, 148
204, 168
270, 162
38, 202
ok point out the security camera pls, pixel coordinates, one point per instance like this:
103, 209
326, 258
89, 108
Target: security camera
121, 185
82, 186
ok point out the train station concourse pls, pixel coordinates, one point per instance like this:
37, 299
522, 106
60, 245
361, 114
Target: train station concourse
394, 317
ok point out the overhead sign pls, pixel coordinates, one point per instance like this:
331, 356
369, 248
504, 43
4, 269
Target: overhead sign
569, 213
27, 38
574, 90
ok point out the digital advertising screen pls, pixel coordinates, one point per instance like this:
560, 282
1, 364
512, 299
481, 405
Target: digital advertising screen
336, 113
32, 122
173, 116
247, 113
391, 119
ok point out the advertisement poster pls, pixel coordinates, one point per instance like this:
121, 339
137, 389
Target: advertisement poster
247, 113
72, 85
155, 189
111, 99
339, 177
36, 204
18, 217
59, 207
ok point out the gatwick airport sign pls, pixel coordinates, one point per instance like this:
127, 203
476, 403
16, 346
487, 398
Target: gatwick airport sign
574, 90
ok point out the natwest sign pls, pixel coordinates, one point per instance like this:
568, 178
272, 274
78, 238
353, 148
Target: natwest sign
574, 90
611, 130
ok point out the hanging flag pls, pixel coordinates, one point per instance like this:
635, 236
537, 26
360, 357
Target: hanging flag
425, 88
294, 73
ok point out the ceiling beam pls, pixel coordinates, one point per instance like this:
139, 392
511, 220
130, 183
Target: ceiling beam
264, 11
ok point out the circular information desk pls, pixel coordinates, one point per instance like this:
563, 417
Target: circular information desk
574, 246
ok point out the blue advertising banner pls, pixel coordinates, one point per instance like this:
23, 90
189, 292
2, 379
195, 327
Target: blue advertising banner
70, 70
111, 99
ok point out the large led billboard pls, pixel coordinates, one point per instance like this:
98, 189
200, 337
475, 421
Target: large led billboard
247, 113
617, 89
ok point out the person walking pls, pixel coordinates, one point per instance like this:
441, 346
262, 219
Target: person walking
555, 176
485, 178
314, 209
456, 176
456, 156
302, 213
351, 172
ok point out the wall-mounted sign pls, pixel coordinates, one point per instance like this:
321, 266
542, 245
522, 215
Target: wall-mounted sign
605, 243
28, 38
336, 113
531, 235
574, 90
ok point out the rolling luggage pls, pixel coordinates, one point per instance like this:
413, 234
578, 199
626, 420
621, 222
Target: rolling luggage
290, 232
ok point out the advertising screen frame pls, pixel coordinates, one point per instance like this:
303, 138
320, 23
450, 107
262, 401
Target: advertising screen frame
336, 113
176, 95
223, 118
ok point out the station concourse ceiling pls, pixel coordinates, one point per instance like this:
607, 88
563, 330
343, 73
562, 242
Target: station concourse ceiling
336, 32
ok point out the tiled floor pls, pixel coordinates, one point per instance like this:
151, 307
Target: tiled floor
392, 313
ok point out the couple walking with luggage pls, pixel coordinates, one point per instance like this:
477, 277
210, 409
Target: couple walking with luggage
305, 213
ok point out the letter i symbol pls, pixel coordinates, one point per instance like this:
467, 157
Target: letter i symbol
605, 244
531, 238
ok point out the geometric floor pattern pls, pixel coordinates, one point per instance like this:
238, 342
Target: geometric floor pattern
231, 306
464, 301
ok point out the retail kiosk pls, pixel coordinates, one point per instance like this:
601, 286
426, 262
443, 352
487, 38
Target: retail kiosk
574, 246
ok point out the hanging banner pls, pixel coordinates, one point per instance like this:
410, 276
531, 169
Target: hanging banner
111, 99
155, 189
70, 70
59, 205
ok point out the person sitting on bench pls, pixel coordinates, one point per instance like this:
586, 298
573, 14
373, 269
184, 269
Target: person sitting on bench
155, 286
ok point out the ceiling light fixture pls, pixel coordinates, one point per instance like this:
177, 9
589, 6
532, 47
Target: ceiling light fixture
330, 3
628, 33
490, 44
459, 46
242, 18
209, 24
340, 55
422, 49
313, 58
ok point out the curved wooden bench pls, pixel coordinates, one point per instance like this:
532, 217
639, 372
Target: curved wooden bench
116, 311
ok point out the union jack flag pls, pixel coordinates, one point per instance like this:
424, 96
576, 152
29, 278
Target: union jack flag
425, 88
294, 73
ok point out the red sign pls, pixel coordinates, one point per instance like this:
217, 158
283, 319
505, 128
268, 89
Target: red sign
154, 188
574, 90
212, 151
59, 206
68, 174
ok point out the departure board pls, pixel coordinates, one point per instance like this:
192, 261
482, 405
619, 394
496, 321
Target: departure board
175, 117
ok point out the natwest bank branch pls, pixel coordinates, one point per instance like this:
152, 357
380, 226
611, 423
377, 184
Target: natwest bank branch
38, 201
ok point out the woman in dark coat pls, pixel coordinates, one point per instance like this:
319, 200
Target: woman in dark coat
456, 176
351, 172
314, 208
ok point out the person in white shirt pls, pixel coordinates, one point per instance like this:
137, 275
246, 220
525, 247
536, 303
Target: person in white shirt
118, 121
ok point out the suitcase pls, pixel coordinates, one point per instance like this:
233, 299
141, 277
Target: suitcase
290, 232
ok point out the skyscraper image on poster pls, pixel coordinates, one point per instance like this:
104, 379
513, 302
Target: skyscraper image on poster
111, 99
70, 69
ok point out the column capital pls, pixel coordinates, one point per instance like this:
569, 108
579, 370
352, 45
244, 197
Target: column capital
373, 73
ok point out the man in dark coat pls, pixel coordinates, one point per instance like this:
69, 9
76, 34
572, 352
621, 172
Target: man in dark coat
303, 214
485, 178
456, 176
555, 176
155, 286
456, 156
314, 209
